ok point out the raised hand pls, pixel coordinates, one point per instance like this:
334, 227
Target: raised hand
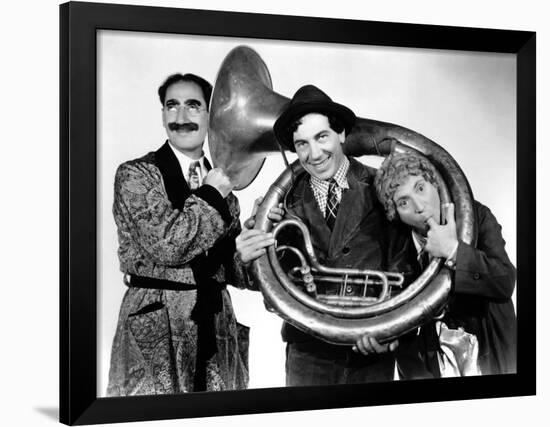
442, 239
275, 214
220, 181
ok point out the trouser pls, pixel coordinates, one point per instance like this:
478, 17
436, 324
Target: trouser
417, 354
319, 363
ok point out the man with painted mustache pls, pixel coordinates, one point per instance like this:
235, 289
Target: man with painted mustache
177, 222
336, 201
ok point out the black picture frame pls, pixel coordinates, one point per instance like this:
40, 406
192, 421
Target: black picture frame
79, 23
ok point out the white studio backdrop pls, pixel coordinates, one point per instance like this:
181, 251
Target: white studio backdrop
464, 101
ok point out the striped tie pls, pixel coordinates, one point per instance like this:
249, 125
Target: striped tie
332, 204
193, 179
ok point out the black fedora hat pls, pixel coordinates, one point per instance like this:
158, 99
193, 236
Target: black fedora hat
310, 99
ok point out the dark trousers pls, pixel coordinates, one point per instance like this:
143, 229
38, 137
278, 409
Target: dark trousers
319, 363
417, 354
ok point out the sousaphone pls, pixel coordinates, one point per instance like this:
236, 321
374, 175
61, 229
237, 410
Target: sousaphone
242, 113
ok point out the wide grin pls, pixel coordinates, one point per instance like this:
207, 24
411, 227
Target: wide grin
321, 164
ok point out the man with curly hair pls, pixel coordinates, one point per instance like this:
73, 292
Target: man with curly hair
483, 276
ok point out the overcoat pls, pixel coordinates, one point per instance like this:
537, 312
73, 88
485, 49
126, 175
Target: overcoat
170, 233
481, 304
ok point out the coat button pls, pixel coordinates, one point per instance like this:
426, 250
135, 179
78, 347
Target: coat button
476, 276
345, 250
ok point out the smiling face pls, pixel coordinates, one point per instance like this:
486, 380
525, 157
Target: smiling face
185, 117
318, 146
416, 200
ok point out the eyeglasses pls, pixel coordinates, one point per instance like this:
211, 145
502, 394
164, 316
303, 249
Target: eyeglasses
192, 110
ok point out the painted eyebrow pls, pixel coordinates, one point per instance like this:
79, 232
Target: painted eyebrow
192, 102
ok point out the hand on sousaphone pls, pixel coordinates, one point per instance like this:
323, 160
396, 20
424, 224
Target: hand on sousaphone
442, 239
218, 179
251, 243
367, 345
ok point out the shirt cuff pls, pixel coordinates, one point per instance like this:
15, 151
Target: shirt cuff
450, 262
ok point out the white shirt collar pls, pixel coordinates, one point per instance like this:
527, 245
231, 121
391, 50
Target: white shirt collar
185, 162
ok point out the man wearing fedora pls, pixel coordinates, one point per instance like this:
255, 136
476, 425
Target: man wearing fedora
336, 201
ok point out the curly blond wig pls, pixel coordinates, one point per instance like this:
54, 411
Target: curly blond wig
393, 172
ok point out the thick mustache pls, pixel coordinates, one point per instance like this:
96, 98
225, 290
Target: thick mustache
174, 127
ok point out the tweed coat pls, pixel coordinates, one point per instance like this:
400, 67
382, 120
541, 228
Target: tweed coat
155, 345
483, 284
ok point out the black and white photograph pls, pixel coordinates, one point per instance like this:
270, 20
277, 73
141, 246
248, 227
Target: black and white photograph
275, 213
464, 102
304, 219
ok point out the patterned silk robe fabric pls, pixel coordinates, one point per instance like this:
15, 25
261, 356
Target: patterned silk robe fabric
155, 346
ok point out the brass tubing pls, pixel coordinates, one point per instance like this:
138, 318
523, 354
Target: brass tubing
242, 111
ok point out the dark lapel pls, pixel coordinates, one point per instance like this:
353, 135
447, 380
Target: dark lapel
320, 233
354, 208
402, 254
174, 182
